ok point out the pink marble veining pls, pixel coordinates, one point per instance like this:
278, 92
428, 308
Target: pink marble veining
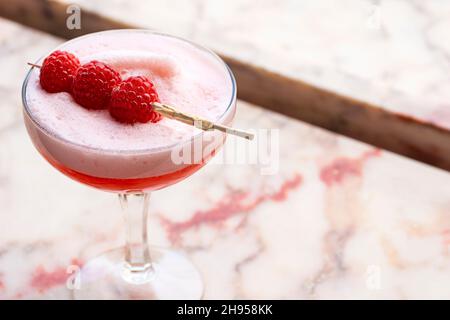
42, 280
339, 168
233, 203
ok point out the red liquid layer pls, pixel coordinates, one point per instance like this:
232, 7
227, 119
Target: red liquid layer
122, 185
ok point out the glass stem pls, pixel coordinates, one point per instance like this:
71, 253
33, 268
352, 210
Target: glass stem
138, 265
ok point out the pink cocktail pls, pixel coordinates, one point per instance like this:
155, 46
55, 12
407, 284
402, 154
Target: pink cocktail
91, 147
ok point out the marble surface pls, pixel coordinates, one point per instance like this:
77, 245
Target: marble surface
339, 219
393, 53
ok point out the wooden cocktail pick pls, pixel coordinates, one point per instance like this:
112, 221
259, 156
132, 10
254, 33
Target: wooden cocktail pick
200, 123
204, 124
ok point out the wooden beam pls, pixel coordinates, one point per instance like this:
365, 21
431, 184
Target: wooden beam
369, 123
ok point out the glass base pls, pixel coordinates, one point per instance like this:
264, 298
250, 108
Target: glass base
108, 276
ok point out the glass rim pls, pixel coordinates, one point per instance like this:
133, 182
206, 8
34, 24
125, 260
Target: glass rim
135, 151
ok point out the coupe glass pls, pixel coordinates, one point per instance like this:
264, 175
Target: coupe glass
136, 270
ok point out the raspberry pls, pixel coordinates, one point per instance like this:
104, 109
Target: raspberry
93, 84
57, 71
131, 101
